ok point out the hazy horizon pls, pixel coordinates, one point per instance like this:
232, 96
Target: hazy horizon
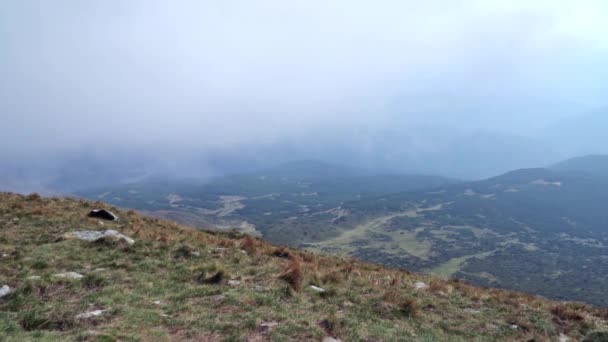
461, 88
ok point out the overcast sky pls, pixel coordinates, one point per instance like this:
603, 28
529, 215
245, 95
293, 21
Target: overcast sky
208, 73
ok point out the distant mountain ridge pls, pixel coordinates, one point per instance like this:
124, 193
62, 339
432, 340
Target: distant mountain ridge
596, 165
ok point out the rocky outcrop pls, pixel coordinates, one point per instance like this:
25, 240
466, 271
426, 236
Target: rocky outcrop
95, 235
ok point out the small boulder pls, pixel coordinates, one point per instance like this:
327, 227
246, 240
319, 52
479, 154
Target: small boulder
266, 327
103, 214
90, 314
95, 235
421, 286
233, 282
330, 339
316, 288
217, 278
68, 275
4, 290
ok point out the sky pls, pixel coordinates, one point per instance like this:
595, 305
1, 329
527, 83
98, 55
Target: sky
212, 75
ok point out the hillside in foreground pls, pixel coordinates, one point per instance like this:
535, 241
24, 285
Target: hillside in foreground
176, 283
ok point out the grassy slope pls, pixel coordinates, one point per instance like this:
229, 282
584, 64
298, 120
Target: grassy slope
155, 289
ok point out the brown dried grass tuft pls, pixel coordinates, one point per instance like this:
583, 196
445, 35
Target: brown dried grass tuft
438, 286
293, 274
564, 313
332, 277
409, 308
251, 245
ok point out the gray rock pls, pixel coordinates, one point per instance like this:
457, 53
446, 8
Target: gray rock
68, 275
34, 277
421, 286
266, 327
4, 290
316, 288
234, 282
94, 235
90, 314
330, 339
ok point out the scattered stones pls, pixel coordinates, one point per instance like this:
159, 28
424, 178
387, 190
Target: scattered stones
234, 282
316, 288
95, 235
68, 275
4, 290
90, 314
421, 286
103, 214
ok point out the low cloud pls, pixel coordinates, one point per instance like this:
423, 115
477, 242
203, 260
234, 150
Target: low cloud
209, 76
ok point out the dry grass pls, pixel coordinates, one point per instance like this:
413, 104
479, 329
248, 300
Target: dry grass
438, 286
293, 274
565, 313
409, 308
